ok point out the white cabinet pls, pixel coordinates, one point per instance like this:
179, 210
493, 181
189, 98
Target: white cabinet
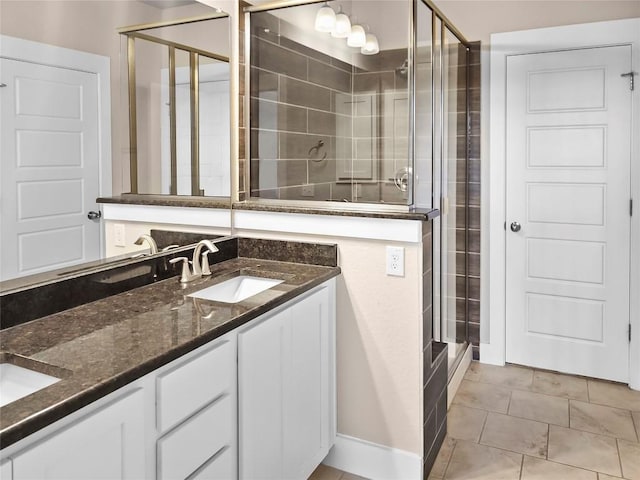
286, 390
196, 405
5, 470
261, 398
108, 443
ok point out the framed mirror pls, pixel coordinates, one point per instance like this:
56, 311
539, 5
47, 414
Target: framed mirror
65, 128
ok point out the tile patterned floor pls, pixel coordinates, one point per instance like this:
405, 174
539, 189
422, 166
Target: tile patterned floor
516, 423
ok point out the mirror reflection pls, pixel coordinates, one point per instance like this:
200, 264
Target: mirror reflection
178, 100
65, 129
330, 115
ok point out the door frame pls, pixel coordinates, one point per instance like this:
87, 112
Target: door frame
618, 32
13, 48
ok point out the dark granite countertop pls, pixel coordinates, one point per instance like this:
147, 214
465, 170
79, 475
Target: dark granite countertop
168, 200
420, 214
101, 346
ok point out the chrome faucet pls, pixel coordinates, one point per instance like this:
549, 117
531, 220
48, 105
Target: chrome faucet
201, 258
200, 262
153, 246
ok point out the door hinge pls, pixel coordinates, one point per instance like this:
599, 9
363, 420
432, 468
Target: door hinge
505, 226
631, 76
631, 207
629, 333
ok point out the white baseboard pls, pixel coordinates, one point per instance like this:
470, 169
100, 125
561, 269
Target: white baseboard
456, 380
373, 461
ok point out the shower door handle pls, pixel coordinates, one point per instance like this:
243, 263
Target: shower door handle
515, 227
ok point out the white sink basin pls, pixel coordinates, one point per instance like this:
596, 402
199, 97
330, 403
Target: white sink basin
236, 289
17, 382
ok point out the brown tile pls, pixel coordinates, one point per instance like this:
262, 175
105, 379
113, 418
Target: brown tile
277, 116
515, 434
273, 58
583, 450
559, 385
351, 476
323, 123
324, 472
478, 462
614, 395
328, 76
464, 423
602, 420
483, 395
602, 476
304, 94
373, 82
538, 469
298, 146
630, 459
507, 376
264, 144
304, 50
539, 407
264, 84
636, 421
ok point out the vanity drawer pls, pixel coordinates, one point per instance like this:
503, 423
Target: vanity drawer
220, 467
187, 448
192, 384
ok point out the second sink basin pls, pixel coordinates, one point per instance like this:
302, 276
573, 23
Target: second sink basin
17, 382
236, 289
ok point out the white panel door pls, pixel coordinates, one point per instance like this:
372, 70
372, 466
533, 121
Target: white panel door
568, 188
49, 169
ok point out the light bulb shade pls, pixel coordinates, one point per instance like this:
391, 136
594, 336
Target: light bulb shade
325, 19
357, 37
342, 28
371, 46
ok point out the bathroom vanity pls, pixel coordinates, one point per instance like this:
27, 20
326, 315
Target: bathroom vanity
161, 384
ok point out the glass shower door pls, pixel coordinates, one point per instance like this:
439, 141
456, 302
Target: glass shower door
453, 243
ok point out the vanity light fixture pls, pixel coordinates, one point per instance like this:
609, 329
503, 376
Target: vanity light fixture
357, 37
371, 46
325, 19
342, 28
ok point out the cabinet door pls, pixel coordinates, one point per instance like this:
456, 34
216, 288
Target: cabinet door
285, 391
5, 470
306, 386
106, 444
260, 398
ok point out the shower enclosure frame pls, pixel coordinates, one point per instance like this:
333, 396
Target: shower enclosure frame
132, 33
446, 24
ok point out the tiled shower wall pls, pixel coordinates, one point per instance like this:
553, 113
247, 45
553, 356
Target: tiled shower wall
317, 125
469, 277
473, 179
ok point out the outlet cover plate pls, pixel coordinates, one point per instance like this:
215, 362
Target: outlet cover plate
395, 261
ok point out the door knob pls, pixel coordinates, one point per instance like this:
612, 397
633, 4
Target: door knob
515, 227
94, 215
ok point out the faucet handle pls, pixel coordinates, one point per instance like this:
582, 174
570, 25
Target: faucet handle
186, 275
169, 247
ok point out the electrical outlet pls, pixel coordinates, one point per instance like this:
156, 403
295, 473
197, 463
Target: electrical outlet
395, 261
308, 190
118, 235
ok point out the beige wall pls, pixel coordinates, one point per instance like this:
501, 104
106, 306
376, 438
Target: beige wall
379, 336
478, 19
